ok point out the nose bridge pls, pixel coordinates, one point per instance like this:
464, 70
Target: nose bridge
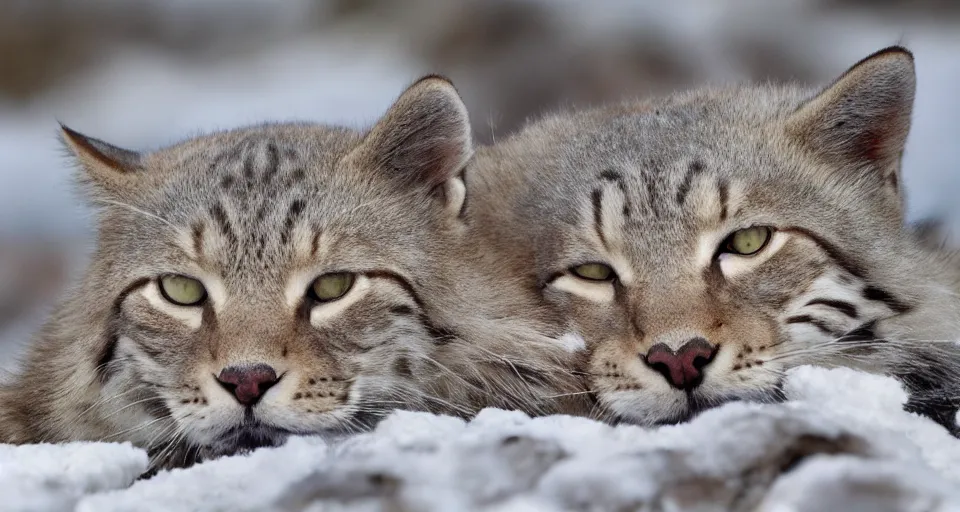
250, 335
674, 313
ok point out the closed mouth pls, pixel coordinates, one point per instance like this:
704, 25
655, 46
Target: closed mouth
247, 437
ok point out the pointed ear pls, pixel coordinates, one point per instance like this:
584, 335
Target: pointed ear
424, 140
861, 121
108, 168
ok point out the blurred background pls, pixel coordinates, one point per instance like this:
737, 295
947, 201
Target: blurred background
146, 73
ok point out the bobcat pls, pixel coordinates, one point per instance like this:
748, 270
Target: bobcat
281, 279
708, 242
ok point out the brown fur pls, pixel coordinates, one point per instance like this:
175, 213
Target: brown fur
652, 191
256, 214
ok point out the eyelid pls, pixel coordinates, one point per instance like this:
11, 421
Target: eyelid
722, 247
163, 292
612, 278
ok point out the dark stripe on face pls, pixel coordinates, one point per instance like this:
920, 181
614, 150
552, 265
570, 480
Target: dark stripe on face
613, 176
724, 191
878, 295
807, 319
296, 208
651, 196
315, 242
863, 333
197, 236
440, 334
223, 222
596, 198
844, 307
402, 309
832, 251
694, 170
109, 349
273, 163
248, 164
402, 367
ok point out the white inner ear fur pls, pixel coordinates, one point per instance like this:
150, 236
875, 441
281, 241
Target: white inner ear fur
191, 316
599, 291
735, 264
456, 193
323, 312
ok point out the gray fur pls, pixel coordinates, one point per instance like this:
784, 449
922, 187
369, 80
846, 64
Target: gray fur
645, 187
250, 209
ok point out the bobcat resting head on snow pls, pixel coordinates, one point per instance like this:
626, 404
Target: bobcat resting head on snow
708, 242
275, 280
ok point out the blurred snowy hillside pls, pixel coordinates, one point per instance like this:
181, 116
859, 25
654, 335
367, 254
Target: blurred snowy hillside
147, 73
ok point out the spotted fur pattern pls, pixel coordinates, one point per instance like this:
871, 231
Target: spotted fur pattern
653, 189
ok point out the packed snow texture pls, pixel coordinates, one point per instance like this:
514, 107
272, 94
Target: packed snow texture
842, 442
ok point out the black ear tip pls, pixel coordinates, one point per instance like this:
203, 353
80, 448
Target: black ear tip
72, 136
889, 52
897, 50
434, 84
434, 78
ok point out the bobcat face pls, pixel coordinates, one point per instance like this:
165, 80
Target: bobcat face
276, 280
705, 245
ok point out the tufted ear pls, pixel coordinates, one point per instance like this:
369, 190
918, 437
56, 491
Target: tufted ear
861, 121
111, 170
424, 140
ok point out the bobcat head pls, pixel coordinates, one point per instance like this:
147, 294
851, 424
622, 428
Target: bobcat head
706, 243
260, 282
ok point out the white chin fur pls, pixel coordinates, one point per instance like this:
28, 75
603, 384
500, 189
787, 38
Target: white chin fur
600, 291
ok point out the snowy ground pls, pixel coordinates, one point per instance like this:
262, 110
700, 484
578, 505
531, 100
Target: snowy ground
841, 443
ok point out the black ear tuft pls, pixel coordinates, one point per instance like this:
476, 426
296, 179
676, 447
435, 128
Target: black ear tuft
425, 138
862, 120
108, 167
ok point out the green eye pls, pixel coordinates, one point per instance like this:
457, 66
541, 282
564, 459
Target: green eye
182, 290
748, 241
330, 287
593, 272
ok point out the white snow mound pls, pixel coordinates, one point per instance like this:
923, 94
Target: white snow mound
842, 442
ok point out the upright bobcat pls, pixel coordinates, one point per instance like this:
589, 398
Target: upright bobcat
280, 279
706, 243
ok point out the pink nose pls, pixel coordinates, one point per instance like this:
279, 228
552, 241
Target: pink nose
247, 382
683, 368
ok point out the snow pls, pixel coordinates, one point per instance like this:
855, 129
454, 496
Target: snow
53, 477
842, 442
